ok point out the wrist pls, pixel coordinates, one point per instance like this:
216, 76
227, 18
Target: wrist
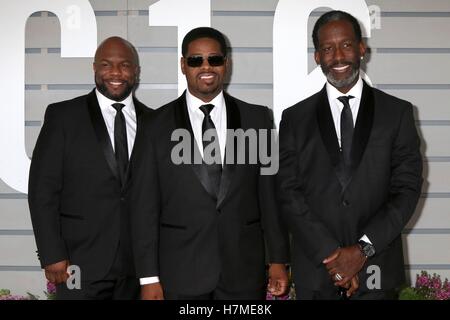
366, 249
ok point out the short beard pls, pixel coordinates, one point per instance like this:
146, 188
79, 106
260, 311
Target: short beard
104, 90
344, 82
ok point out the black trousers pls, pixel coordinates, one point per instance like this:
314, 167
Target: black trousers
307, 294
123, 288
220, 294
114, 286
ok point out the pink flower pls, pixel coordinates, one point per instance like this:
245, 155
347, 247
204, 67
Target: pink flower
436, 282
269, 296
446, 285
51, 288
422, 281
442, 294
431, 287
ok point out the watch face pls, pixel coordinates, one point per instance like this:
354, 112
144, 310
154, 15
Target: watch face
369, 250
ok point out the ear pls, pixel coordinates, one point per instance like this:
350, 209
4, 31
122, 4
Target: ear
93, 66
362, 48
183, 65
317, 56
227, 62
137, 71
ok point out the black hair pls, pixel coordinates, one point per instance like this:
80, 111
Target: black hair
203, 32
335, 16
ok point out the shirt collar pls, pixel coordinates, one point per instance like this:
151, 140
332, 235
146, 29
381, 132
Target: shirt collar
194, 103
355, 91
105, 102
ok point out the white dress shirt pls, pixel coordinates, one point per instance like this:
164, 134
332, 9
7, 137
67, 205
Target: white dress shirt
337, 106
109, 114
336, 109
219, 117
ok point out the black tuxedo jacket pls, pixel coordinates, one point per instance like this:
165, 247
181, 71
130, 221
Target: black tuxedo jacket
186, 235
77, 203
324, 210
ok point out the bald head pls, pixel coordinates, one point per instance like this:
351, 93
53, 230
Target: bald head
116, 43
116, 67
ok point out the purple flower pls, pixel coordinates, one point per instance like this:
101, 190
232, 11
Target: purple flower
269, 296
51, 288
422, 281
436, 282
442, 294
431, 287
446, 285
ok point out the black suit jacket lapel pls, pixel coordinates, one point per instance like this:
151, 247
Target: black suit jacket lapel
328, 133
101, 132
363, 126
361, 133
329, 137
233, 123
140, 109
182, 121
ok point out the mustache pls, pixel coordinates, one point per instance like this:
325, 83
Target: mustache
208, 72
116, 80
340, 64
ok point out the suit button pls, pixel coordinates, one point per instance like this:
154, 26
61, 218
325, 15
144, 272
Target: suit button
345, 203
122, 199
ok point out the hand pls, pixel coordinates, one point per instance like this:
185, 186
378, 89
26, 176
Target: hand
57, 272
346, 262
152, 291
354, 285
278, 279
350, 287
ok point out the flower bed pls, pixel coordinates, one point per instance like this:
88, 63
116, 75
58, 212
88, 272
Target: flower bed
427, 288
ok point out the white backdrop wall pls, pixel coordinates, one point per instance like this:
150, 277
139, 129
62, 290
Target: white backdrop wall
409, 58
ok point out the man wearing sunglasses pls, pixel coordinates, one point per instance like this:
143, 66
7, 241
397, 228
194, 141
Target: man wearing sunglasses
200, 229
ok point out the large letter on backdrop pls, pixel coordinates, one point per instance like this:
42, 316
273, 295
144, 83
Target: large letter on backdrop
291, 81
184, 14
78, 39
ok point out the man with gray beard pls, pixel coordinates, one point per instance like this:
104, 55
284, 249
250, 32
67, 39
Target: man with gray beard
350, 175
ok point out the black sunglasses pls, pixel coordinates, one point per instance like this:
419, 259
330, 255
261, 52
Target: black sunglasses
197, 61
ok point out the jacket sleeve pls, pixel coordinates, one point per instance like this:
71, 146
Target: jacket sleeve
145, 206
45, 186
275, 231
405, 185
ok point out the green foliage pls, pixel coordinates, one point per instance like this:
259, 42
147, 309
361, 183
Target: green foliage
409, 293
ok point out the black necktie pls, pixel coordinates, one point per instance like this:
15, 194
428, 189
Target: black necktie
346, 130
120, 141
215, 169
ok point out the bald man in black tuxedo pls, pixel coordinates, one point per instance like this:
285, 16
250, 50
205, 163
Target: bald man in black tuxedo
79, 180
